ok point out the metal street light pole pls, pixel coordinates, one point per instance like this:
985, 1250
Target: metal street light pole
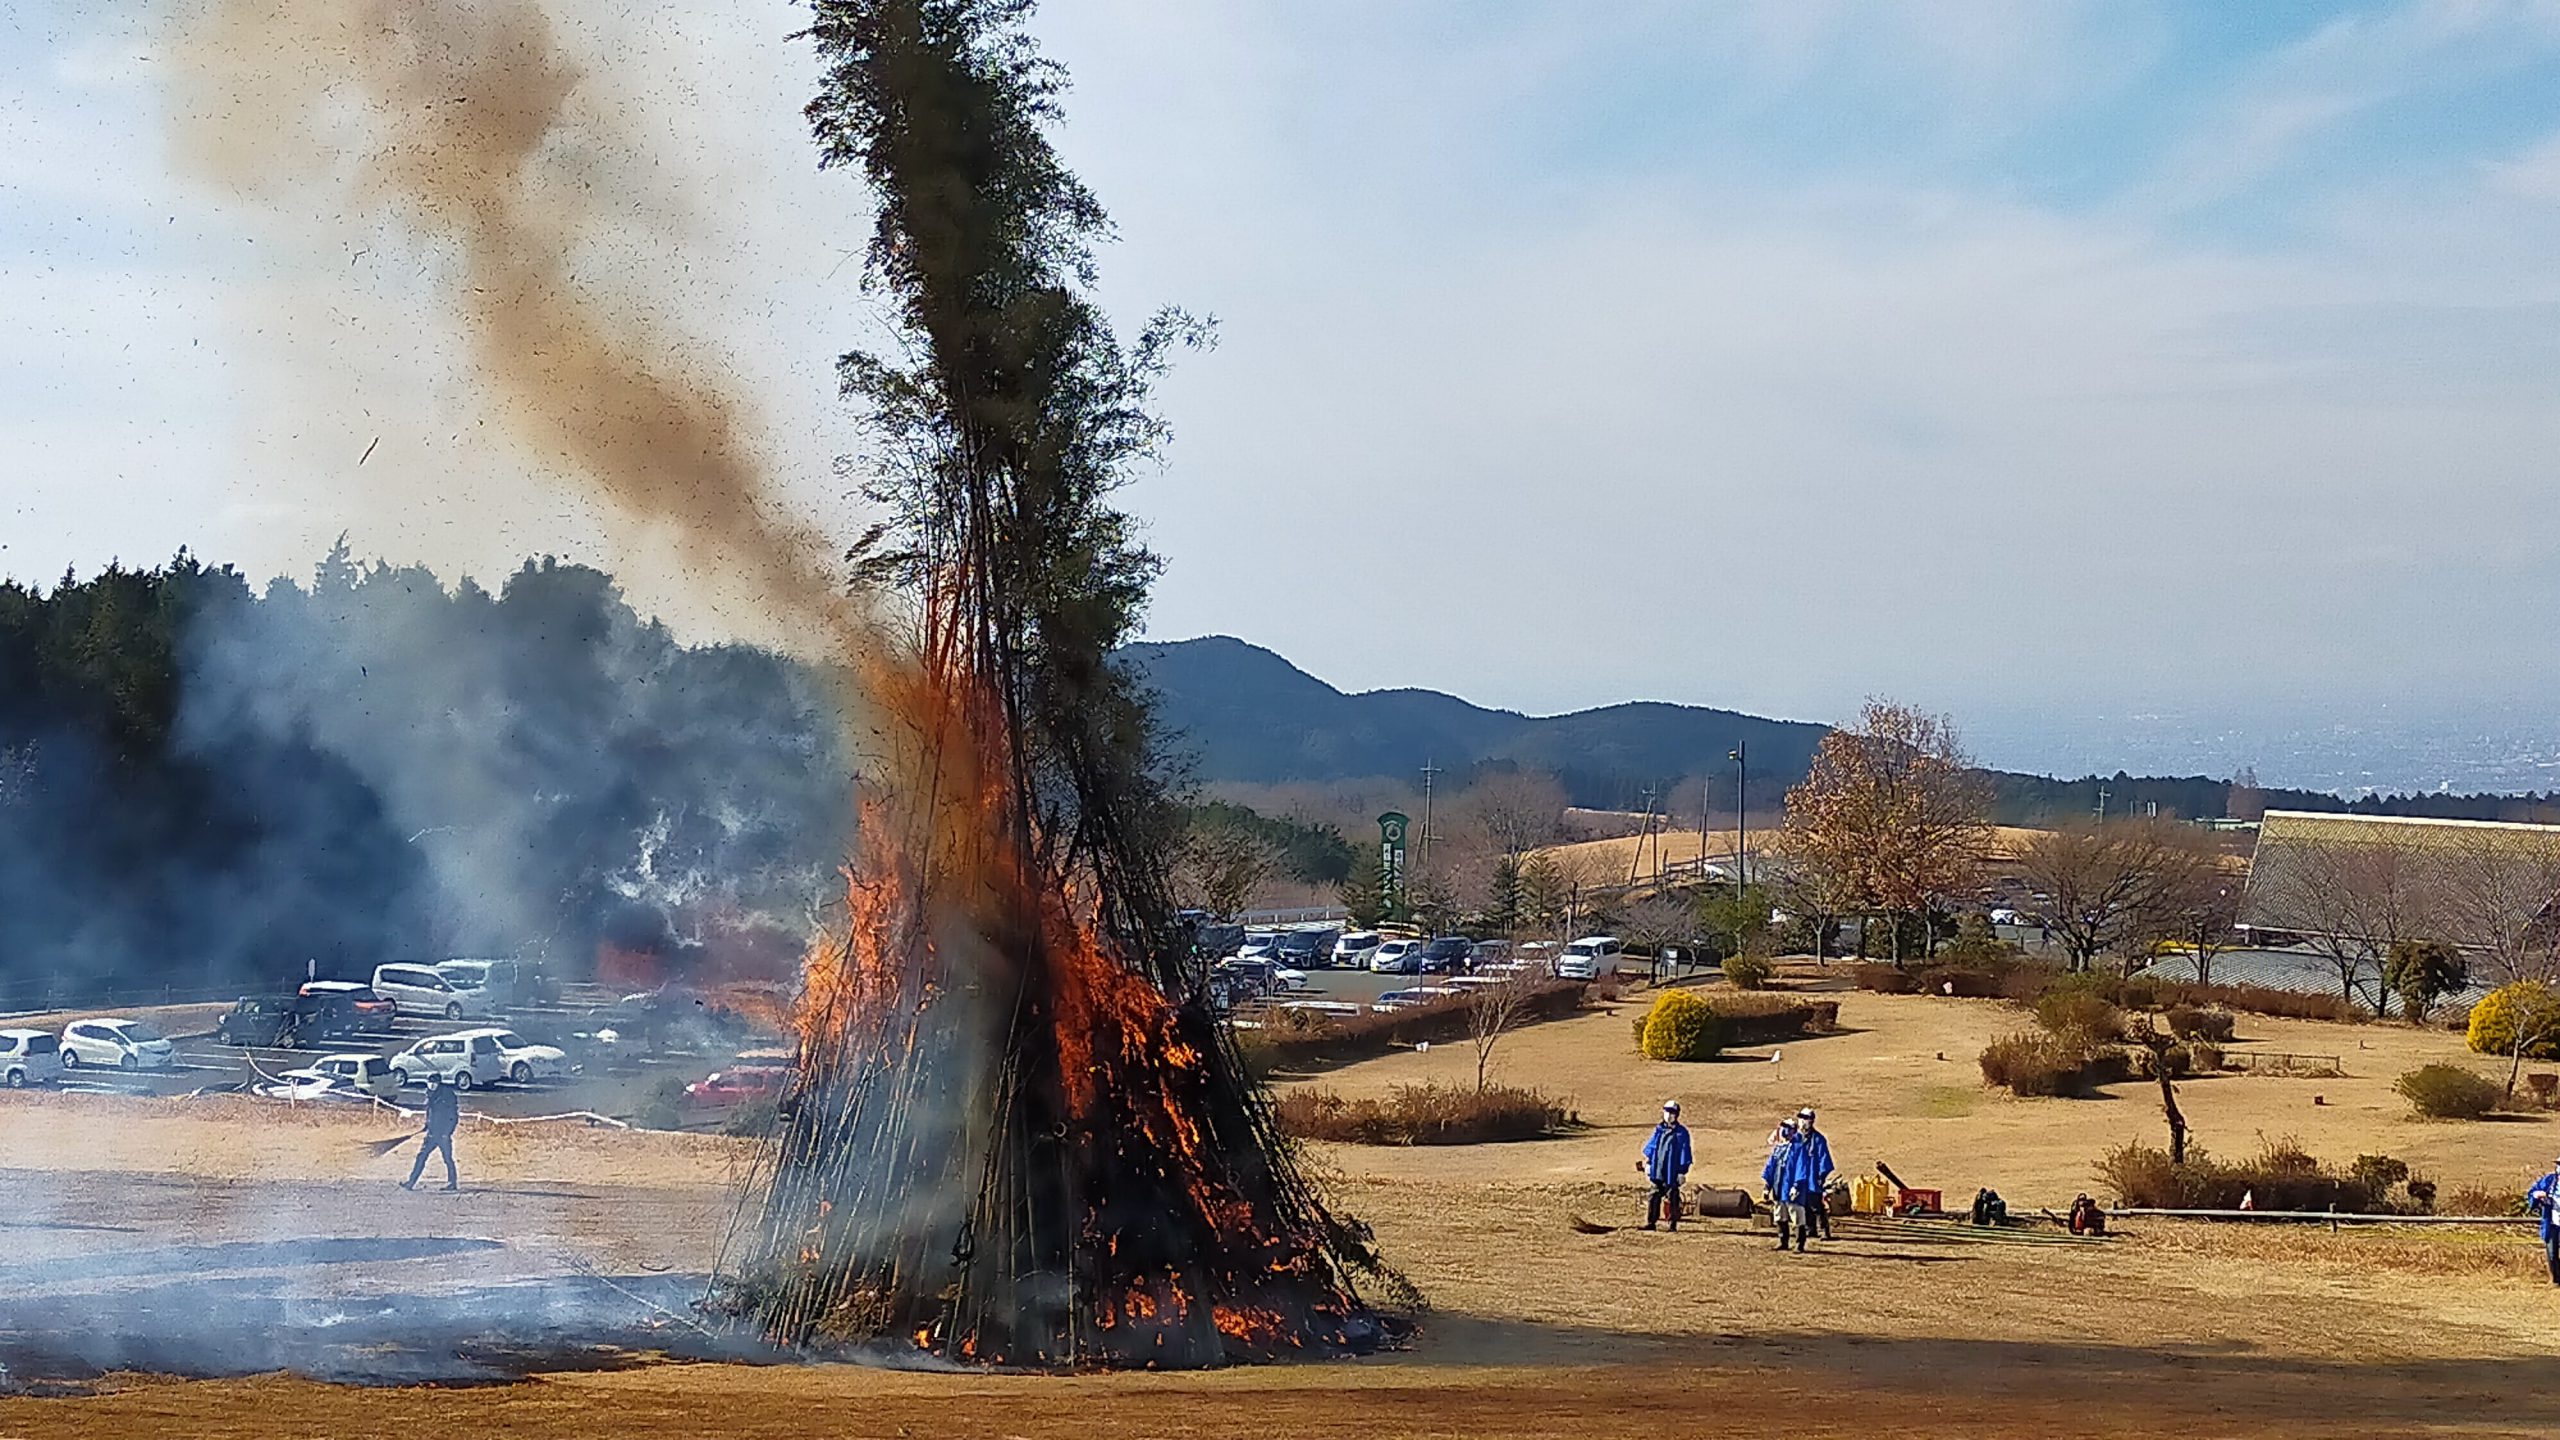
1741, 819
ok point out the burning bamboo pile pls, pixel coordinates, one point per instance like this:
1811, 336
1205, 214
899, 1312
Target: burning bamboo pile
1020, 1137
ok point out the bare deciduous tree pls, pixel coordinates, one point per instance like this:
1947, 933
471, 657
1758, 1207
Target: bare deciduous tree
2112, 886
2494, 888
1220, 869
1514, 811
1496, 1011
2353, 900
1893, 807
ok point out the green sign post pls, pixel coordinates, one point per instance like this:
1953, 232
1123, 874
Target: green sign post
1391, 828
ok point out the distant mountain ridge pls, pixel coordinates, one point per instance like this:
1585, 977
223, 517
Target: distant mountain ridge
1240, 712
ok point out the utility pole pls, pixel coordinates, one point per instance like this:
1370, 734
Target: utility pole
1424, 859
1635, 860
2102, 804
1741, 820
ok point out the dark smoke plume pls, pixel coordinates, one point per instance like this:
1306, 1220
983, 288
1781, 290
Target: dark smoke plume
458, 123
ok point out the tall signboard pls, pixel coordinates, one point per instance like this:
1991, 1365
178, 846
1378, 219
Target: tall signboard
1391, 828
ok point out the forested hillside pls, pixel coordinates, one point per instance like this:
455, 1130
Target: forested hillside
206, 784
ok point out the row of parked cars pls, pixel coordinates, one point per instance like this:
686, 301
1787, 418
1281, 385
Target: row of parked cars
40, 1057
465, 1058
1583, 959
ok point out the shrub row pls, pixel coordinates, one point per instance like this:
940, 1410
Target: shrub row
1683, 1024
2029, 981
2282, 1177
1424, 1115
2032, 1064
1304, 1039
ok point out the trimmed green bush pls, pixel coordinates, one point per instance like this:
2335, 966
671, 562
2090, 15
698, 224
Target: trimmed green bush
1748, 971
2448, 1092
1681, 1026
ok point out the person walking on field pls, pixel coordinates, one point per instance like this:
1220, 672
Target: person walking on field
444, 1112
1818, 1157
1666, 1163
2544, 1199
1790, 1184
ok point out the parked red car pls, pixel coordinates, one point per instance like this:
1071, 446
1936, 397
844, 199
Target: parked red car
737, 1085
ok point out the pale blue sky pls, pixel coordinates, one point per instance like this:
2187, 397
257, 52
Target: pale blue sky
2009, 357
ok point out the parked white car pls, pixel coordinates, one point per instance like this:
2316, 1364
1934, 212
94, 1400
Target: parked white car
486, 985
114, 1043
305, 1084
1407, 999
1396, 957
1355, 948
465, 1060
422, 990
364, 1074
524, 1062
30, 1057
1588, 957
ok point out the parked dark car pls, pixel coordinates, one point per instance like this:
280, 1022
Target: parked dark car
1247, 979
287, 1021
1215, 940
1446, 956
371, 1011
1308, 949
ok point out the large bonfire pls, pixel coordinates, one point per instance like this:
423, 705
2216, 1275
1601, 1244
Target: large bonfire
1020, 1136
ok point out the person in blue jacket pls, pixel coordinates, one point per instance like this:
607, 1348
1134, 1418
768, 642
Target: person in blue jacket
1818, 1156
2544, 1199
1788, 1185
1789, 1178
1666, 1162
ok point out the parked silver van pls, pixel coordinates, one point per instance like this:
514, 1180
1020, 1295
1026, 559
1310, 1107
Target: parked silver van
420, 990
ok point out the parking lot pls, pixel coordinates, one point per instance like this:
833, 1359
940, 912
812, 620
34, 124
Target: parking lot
615, 1078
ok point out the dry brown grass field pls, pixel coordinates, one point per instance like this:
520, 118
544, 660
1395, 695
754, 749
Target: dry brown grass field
1598, 861
1537, 1328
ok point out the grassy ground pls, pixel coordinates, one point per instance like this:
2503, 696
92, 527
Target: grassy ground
1539, 1326
1901, 1086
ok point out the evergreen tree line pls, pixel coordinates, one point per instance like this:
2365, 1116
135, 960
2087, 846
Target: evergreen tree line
209, 786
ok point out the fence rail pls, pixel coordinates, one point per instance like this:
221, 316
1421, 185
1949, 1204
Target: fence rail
2334, 1217
2282, 1062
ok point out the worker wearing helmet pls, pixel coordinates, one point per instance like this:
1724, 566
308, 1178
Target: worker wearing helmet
1666, 1163
1818, 1157
2544, 1199
1789, 1179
